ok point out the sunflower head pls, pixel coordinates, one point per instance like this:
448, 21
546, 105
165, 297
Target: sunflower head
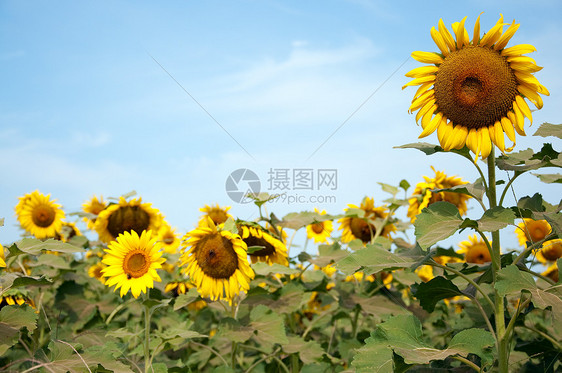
266, 247
39, 215
551, 250
219, 215
320, 231
132, 261
424, 196
95, 271
169, 239
530, 230
216, 262
2, 257
15, 297
94, 206
425, 272
362, 227
552, 272
127, 216
67, 231
473, 91
475, 250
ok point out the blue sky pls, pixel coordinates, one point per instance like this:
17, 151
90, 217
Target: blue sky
85, 109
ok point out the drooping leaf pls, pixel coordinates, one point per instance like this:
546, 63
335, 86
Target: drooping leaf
475, 189
549, 178
309, 351
436, 289
549, 129
34, 246
436, 222
511, 280
373, 258
12, 319
269, 327
495, 219
533, 203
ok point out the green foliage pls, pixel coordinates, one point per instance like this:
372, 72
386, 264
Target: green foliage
436, 222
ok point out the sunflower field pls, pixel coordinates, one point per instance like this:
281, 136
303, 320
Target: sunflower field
244, 296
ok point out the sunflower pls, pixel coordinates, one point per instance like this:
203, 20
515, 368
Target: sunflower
2, 257
530, 230
425, 272
320, 231
216, 262
272, 249
95, 271
67, 231
423, 195
125, 217
218, 214
94, 206
132, 262
15, 297
550, 251
39, 215
362, 228
552, 272
473, 92
475, 250
358, 277
169, 238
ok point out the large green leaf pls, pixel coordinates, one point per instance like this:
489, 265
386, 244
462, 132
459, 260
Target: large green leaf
436, 222
12, 319
309, 351
511, 280
297, 220
549, 178
234, 331
495, 219
269, 327
34, 246
436, 289
374, 258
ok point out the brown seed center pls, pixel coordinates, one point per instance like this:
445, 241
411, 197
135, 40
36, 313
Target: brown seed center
268, 248
136, 264
216, 256
126, 219
361, 229
43, 216
317, 228
475, 87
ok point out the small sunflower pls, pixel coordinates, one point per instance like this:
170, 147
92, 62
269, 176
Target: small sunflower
550, 251
320, 231
473, 92
125, 217
218, 214
475, 250
169, 238
425, 272
94, 206
358, 277
552, 272
2, 257
95, 271
132, 262
273, 250
361, 228
423, 195
39, 215
216, 262
67, 231
530, 230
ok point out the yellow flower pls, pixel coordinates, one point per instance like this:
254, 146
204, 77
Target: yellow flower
475, 250
181, 287
169, 238
320, 231
132, 262
216, 262
273, 250
473, 92
425, 272
94, 207
2, 257
39, 215
218, 214
423, 195
552, 272
362, 228
126, 217
67, 231
550, 251
95, 271
15, 297
532, 231
358, 277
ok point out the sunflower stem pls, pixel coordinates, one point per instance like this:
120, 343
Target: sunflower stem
146, 333
503, 338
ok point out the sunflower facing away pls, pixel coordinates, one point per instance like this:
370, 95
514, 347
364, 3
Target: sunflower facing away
94, 206
423, 196
132, 261
474, 91
127, 216
475, 250
39, 215
216, 262
218, 214
361, 228
272, 250
320, 231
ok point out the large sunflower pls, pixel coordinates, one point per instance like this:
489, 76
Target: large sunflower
218, 214
127, 216
362, 228
216, 262
320, 231
132, 261
423, 195
39, 215
272, 249
473, 92
475, 250
94, 206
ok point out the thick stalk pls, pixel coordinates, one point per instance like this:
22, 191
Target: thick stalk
503, 340
146, 337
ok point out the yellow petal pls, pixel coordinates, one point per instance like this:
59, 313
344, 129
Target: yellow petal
460, 34
421, 80
527, 79
542, 90
427, 57
427, 116
492, 36
519, 119
504, 39
446, 35
459, 134
444, 132
432, 126
524, 107
525, 67
476, 35
485, 142
424, 110
420, 101
530, 94
518, 50
473, 142
499, 140
513, 118
521, 59
508, 128
422, 71
438, 39
422, 89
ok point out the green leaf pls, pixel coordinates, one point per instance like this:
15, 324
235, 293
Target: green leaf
51, 260
474, 341
230, 226
328, 254
548, 129
34, 246
234, 331
253, 249
436, 222
156, 303
404, 184
553, 218
495, 219
297, 220
185, 299
269, 327
264, 269
475, 189
14, 280
549, 178
389, 188
431, 292
533, 203
373, 258
511, 280
520, 161
379, 306
12, 319
373, 357
179, 331
425, 147
309, 352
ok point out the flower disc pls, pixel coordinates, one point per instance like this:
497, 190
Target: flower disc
39, 215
